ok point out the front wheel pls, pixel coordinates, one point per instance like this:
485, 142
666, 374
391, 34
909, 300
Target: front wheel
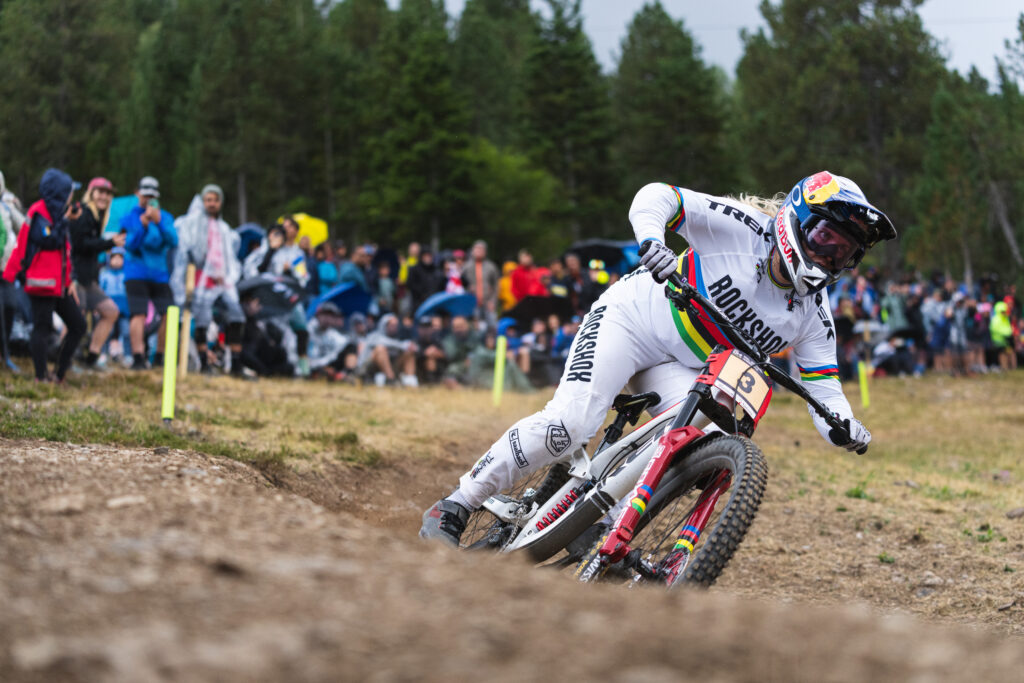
665, 547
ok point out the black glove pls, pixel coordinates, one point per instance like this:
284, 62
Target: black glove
860, 437
658, 259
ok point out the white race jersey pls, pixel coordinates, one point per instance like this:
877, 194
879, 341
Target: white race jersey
727, 262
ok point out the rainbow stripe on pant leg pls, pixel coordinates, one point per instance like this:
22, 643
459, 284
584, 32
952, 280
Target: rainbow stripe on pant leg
687, 538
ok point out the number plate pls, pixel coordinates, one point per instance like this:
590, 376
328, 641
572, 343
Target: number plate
734, 374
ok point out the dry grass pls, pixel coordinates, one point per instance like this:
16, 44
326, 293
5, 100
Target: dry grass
918, 523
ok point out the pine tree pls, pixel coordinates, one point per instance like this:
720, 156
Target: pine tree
844, 86
420, 177
489, 54
568, 123
671, 109
65, 70
352, 109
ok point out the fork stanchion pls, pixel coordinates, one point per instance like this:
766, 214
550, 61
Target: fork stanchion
500, 347
170, 364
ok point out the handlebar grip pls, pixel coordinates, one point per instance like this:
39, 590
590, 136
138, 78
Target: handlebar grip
862, 451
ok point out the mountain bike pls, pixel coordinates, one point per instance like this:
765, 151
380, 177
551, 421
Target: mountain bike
670, 502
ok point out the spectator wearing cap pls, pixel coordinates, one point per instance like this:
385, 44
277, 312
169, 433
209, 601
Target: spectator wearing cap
150, 236
111, 280
87, 243
206, 241
11, 220
42, 259
480, 278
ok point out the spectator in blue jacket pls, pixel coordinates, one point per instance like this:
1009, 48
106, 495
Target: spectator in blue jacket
150, 237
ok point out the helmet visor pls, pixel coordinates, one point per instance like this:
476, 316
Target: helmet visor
831, 247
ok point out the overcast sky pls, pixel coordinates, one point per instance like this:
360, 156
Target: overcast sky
972, 32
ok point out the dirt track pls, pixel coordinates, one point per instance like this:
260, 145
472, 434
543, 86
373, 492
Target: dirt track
122, 564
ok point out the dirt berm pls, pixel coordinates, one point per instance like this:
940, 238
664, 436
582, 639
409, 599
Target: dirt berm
135, 565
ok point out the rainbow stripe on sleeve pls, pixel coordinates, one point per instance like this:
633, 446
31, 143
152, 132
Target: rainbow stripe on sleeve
820, 372
679, 217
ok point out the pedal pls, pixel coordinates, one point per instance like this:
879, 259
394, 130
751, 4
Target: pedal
504, 508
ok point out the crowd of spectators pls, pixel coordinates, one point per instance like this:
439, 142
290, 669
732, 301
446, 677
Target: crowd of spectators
911, 324
124, 276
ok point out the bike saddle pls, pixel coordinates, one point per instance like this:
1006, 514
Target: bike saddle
632, 405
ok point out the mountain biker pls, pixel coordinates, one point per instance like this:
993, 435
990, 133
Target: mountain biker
763, 263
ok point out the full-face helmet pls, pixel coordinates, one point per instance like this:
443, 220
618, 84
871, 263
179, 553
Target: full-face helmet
824, 227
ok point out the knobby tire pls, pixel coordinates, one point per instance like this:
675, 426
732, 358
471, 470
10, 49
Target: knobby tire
676, 497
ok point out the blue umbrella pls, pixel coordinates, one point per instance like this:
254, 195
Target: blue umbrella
349, 297
249, 234
453, 304
619, 256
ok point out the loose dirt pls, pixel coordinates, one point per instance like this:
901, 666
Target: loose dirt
120, 564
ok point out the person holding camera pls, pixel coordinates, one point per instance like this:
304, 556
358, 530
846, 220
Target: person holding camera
87, 243
149, 237
42, 259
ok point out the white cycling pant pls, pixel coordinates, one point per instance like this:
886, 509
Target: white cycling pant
618, 343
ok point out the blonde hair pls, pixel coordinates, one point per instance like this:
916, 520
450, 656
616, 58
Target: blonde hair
768, 207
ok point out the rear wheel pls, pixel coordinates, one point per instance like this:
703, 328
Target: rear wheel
484, 530
727, 461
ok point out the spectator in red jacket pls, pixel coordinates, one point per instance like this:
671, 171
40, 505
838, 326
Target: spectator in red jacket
43, 259
526, 278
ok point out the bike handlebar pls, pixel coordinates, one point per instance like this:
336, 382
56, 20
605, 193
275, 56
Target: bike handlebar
688, 294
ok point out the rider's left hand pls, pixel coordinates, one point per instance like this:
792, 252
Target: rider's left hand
658, 259
860, 437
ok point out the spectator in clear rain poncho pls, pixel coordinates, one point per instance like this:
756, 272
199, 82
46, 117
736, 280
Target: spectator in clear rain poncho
279, 257
384, 351
332, 351
206, 241
11, 220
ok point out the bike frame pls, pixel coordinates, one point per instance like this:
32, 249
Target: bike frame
732, 392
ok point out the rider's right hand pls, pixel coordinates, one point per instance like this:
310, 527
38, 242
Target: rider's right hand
859, 436
658, 259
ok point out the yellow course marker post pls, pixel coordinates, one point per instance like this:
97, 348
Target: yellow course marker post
170, 364
862, 372
500, 347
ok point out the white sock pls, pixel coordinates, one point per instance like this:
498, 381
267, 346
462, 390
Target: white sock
457, 497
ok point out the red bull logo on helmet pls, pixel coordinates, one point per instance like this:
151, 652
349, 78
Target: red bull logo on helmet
820, 187
783, 235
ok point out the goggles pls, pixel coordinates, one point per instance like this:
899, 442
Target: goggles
834, 248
